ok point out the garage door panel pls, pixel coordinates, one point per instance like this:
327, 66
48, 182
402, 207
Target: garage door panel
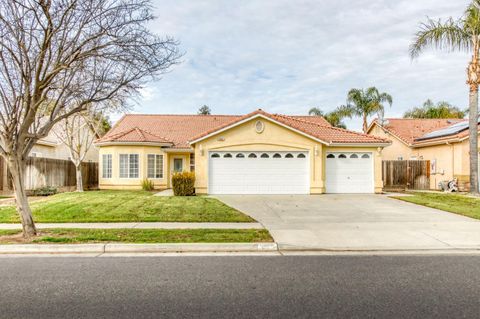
353, 174
259, 175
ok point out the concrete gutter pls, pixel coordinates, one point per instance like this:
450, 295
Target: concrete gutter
135, 248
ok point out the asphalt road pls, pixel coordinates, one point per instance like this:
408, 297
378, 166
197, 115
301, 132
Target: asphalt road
241, 287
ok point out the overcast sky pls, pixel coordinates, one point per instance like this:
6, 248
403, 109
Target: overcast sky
286, 56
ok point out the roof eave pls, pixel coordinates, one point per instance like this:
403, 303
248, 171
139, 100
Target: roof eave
117, 143
437, 142
362, 144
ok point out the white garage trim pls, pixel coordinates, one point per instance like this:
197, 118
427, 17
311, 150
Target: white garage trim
258, 172
349, 172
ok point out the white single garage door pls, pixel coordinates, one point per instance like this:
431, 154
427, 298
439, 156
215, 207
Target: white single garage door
349, 173
258, 173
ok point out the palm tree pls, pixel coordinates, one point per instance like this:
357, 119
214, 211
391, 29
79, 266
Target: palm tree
430, 110
367, 102
458, 35
335, 117
315, 111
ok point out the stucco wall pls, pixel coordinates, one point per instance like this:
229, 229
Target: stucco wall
274, 137
135, 183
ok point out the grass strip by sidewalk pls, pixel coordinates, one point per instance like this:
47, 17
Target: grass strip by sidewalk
453, 203
77, 236
125, 206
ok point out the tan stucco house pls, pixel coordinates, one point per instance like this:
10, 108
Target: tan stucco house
258, 153
444, 142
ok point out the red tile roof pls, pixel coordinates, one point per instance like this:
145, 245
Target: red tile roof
181, 129
410, 129
134, 134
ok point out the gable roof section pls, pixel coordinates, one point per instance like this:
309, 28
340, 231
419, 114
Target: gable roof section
135, 135
324, 134
408, 130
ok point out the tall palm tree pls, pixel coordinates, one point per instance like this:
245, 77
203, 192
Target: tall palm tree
458, 35
335, 117
367, 102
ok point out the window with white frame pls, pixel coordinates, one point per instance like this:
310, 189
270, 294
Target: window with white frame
107, 166
129, 165
192, 162
155, 166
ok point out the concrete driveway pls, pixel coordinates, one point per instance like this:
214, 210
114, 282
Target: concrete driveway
356, 222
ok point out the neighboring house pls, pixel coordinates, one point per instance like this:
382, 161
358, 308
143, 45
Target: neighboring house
52, 147
444, 142
48, 147
258, 153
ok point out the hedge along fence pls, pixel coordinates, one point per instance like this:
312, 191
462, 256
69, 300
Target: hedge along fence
183, 184
48, 172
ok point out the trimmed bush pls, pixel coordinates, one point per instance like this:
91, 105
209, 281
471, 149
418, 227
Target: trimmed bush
183, 184
147, 185
44, 191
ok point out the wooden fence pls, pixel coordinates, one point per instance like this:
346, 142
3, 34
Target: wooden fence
43, 172
406, 174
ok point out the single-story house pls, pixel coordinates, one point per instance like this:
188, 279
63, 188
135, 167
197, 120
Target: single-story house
258, 153
444, 142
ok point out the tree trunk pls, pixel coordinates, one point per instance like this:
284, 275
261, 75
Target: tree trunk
78, 170
365, 124
17, 169
473, 130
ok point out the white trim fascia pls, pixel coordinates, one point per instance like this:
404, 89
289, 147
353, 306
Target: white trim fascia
131, 143
446, 141
178, 150
254, 117
360, 145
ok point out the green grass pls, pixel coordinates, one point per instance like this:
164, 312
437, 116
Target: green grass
126, 206
458, 204
77, 236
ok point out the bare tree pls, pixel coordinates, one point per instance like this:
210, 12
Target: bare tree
57, 58
77, 133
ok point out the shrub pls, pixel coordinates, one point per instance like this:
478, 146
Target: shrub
45, 191
183, 184
147, 185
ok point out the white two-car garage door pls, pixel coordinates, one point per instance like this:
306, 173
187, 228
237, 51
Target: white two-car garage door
258, 173
349, 173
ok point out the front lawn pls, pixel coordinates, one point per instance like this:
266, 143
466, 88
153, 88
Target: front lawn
458, 204
78, 236
126, 206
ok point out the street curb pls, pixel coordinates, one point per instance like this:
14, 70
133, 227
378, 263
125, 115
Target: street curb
135, 248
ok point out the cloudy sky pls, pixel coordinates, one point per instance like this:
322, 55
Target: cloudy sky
286, 56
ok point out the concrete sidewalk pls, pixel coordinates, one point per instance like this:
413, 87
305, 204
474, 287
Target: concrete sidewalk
151, 225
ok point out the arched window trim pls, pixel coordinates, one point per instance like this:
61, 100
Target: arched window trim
227, 155
289, 155
252, 155
331, 156
342, 156
215, 155
301, 155
365, 156
353, 156
277, 155
264, 155
240, 155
